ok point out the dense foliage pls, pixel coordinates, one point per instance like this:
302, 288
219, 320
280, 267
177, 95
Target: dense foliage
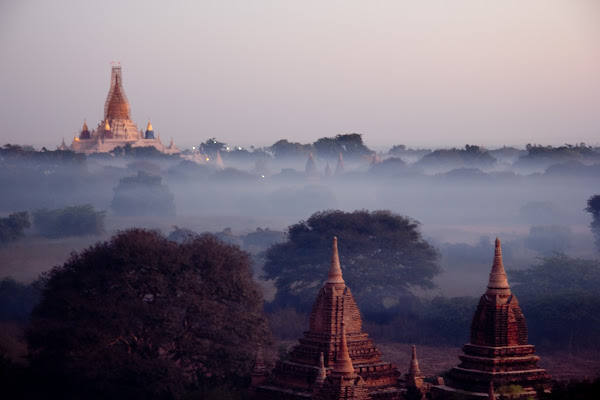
143, 194
471, 155
349, 145
560, 297
69, 221
593, 207
382, 254
13, 227
17, 299
143, 317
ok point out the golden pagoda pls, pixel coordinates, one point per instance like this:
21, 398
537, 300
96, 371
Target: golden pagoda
117, 128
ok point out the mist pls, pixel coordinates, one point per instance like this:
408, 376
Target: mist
462, 200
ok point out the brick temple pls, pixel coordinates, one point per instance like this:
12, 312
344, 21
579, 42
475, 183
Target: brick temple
334, 356
498, 354
117, 128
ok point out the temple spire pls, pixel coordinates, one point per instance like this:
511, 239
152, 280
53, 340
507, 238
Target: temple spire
491, 395
322, 374
335, 272
339, 168
149, 127
343, 363
414, 378
498, 284
414, 363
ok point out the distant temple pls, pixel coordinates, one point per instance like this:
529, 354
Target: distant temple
498, 354
117, 128
335, 359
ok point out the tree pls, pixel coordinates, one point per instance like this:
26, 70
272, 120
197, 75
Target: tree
284, 149
69, 221
593, 207
560, 299
383, 255
13, 227
350, 145
143, 194
212, 145
143, 317
547, 239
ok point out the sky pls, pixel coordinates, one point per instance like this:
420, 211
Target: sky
422, 73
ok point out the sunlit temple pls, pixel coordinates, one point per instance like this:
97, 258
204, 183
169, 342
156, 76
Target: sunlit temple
117, 128
498, 354
335, 360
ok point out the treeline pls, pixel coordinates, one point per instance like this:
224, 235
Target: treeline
56, 223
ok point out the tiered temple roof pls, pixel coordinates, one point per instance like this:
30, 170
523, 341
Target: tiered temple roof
117, 128
334, 316
498, 354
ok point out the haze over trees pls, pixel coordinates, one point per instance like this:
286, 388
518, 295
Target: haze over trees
13, 227
382, 255
69, 221
143, 194
142, 317
593, 207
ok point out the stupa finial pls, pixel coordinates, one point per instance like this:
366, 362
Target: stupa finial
498, 284
343, 363
335, 271
491, 395
322, 374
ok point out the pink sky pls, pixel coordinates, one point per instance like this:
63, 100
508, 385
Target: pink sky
422, 73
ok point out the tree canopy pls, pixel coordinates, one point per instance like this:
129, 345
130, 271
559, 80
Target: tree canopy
350, 145
142, 194
593, 207
560, 299
69, 221
13, 226
382, 254
142, 317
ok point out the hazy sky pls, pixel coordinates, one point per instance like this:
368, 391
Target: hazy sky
422, 73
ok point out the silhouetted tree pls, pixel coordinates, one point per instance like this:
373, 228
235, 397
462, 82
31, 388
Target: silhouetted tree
382, 253
593, 207
143, 317
350, 145
571, 283
13, 227
285, 149
69, 221
143, 194
573, 390
212, 145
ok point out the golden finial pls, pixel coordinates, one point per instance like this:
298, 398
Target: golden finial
106, 125
149, 127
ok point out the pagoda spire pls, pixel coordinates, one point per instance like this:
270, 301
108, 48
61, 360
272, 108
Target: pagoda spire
339, 168
335, 272
343, 363
498, 284
491, 395
414, 378
322, 374
311, 167
414, 363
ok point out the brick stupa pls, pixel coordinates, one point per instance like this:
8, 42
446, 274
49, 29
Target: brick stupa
498, 354
342, 383
295, 378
